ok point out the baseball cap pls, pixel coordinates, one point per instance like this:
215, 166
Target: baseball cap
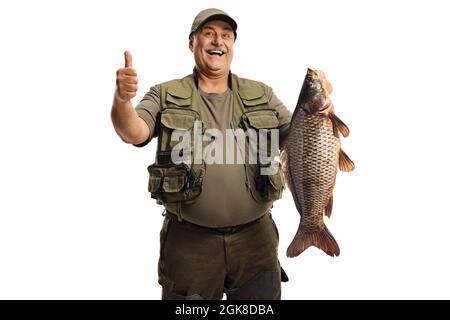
210, 15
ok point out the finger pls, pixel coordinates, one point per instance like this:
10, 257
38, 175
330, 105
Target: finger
129, 79
130, 72
123, 78
127, 87
130, 87
130, 95
329, 109
329, 87
126, 72
128, 59
121, 72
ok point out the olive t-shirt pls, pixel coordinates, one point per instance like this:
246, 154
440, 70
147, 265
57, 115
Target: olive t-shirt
225, 200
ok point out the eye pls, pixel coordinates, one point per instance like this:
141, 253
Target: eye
208, 33
226, 36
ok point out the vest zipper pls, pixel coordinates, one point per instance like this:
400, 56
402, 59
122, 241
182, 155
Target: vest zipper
247, 179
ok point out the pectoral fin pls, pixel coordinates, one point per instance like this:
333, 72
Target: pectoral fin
345, 163
341, 126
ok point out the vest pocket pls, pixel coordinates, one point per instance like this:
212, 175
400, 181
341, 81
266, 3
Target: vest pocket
266, 187
154, 183
253, 97
179, 96
261, 119
172, 119
276, 186
172, 183
269, 187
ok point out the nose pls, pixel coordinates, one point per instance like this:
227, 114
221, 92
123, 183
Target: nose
216, 40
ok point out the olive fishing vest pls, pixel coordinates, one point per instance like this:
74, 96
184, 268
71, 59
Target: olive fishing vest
181, 109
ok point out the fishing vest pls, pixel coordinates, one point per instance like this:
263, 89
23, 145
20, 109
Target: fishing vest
181, 109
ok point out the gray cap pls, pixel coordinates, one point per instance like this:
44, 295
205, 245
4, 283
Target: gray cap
210, 15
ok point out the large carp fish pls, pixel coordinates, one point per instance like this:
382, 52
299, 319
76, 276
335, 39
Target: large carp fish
311, 159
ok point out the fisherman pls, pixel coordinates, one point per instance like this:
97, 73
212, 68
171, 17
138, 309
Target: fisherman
218, 235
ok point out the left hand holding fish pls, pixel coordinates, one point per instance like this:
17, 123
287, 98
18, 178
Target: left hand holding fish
328, 110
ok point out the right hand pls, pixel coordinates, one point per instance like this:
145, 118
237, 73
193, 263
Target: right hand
126, 80
326, 83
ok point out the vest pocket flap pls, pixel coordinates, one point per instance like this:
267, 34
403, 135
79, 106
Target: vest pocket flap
174, 183
178, 120
154, 183
276, 181
250, 92
253, 96
169, 178
254, 101
263, 119
179, 96
179, 92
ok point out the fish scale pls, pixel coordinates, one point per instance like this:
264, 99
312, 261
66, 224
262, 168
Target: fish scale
313, 156
319, 156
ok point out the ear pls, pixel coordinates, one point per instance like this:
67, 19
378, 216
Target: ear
191, 43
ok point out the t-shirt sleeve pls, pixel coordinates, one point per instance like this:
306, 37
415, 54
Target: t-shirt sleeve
148, 110
284, 116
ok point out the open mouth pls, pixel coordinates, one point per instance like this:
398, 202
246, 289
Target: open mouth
217, 52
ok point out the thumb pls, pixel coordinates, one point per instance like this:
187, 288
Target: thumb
128, 59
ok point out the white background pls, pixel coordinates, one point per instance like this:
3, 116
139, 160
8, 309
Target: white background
76, 220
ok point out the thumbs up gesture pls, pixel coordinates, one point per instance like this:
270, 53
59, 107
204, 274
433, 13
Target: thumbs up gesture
126, 80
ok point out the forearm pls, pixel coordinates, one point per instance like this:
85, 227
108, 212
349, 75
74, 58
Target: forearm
128, 125
283, 135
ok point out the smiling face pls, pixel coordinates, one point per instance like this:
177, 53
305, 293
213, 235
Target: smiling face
212, 46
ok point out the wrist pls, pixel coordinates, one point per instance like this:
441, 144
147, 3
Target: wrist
118, 99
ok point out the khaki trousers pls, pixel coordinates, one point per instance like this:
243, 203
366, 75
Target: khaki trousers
203, 263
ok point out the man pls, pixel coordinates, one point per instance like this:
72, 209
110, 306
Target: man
218, 235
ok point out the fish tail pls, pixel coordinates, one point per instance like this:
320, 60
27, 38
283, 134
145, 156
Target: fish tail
322, 239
